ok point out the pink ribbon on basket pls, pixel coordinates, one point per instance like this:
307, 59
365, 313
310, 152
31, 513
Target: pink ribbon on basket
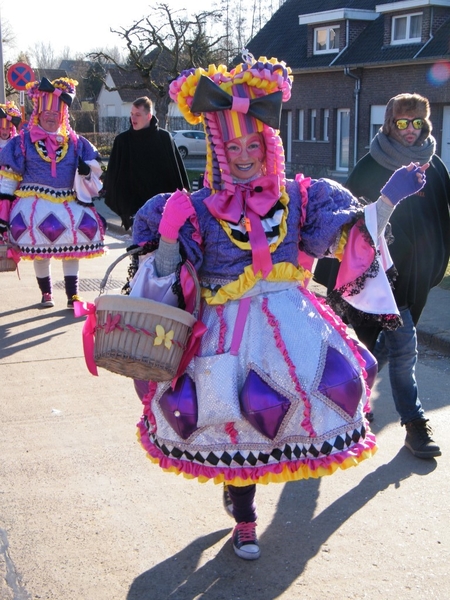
88, 309
14, 254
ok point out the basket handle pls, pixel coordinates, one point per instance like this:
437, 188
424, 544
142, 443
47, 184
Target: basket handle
104, 281
187, 264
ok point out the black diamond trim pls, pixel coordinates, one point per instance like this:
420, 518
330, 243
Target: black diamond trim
326, 448
339, 443
239, 458
212, 458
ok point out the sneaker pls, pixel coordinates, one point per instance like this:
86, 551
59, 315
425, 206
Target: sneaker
227, 504
245, 542
47, 301
74, 298
418, 439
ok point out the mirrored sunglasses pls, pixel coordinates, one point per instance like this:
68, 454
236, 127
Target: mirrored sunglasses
403, 123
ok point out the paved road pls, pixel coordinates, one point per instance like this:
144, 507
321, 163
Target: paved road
84, 515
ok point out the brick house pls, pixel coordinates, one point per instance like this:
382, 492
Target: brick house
348, 58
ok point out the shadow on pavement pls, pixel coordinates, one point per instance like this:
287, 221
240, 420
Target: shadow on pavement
18, 335
292, 539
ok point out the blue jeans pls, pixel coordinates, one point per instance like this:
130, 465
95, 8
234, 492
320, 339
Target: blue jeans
399, 349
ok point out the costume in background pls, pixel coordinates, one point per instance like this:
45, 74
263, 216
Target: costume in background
53, 214
277, 389
10, 117
143, 163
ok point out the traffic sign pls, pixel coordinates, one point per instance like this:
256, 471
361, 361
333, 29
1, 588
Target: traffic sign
19, 75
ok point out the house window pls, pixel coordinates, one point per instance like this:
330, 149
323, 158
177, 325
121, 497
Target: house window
326, 39
343, 139
326, 124
301, 125
313, 123
407, 29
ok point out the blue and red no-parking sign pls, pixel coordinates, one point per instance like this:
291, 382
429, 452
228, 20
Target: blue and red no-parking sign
19, 75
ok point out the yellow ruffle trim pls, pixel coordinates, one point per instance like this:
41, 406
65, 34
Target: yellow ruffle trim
339, 252
49, 197
247, 280
304, 472
10, 175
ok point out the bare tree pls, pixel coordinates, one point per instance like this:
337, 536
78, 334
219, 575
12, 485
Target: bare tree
43, 56
162, 45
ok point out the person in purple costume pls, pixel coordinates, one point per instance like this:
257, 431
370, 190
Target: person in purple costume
276, 388
54, 174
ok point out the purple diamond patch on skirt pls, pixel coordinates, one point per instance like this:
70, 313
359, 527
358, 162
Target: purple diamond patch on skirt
341, 382
52, 227
88, 226
262, 406
18, 226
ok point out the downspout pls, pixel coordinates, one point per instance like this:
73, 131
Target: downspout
356, 95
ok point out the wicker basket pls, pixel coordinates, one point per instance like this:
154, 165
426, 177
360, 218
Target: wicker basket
141, 338
6, 264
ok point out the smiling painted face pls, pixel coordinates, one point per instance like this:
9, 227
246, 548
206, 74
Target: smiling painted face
245, 155
50, 120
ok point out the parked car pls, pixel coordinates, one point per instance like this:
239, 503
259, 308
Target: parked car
190, 141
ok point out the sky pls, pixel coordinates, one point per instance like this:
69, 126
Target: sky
82, 25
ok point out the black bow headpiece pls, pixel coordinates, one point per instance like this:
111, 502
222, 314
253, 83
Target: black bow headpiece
209, 97
47, 86
14, 120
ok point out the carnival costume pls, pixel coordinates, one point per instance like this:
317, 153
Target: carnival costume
277, 389
10, 117
52, 215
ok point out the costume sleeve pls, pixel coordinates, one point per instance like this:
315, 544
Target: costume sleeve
12, 156
145, 230
330, 209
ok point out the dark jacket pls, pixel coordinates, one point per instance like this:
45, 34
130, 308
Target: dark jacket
143, 163
420, 227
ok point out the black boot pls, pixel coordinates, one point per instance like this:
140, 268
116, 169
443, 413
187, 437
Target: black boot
418, 439
45, 285
71, 286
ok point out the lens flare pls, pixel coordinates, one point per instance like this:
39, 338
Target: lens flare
439, 73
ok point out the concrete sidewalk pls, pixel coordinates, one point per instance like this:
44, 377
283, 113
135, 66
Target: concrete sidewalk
434, 325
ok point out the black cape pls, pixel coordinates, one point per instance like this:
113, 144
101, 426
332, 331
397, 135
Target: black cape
421, 230
143, 163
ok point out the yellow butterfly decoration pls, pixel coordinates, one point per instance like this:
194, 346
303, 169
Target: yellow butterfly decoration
162, 336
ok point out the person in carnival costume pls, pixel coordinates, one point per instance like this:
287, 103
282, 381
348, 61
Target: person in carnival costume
55, 174
275, 389
10, 118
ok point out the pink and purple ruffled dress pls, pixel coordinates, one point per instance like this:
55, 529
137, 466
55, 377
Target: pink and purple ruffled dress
45, 219
278, 388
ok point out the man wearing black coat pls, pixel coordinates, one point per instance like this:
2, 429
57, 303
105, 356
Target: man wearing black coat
144, 162
420, 251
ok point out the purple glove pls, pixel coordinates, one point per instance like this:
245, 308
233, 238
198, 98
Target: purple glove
177, 209
403, 183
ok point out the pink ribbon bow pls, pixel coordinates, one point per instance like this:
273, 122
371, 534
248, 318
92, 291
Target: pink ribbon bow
253, 200
112, 323
81, 309
51, 143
